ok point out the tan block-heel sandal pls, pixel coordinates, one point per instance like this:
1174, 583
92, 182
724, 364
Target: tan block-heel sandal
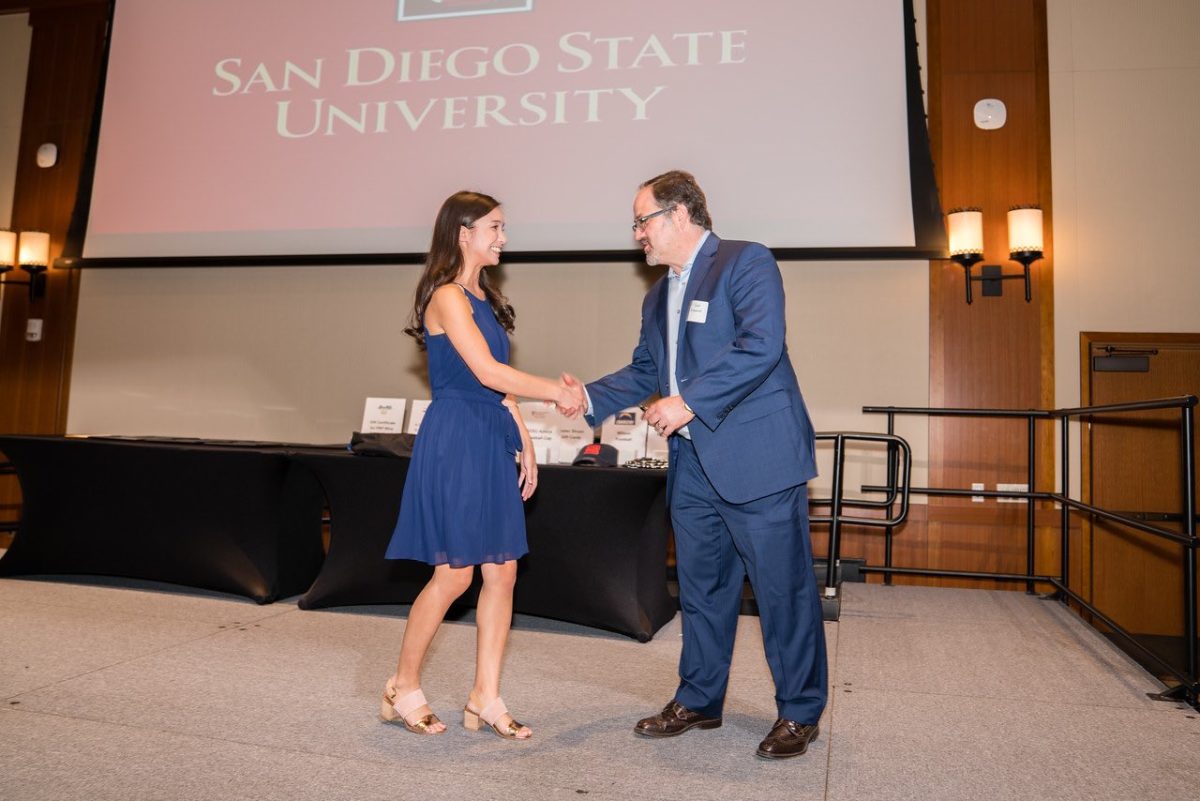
490, 715
396, 711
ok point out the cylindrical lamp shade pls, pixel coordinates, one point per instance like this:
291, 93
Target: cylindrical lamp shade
35, 248
965, 231
8, 249
1025, 230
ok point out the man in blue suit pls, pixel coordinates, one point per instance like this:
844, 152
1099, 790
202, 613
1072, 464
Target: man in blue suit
713, 347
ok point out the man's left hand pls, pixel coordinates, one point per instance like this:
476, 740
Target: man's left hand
668, 415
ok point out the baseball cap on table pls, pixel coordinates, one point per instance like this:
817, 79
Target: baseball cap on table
598, 454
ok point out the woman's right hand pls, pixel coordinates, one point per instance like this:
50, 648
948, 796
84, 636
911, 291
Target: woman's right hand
571, 400
527, 476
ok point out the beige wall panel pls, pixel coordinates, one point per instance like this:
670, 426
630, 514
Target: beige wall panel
1123, 35
1068, 271
578, 318
1137, 174
271, 354
1060, 55
290, 354
1066, 212
1126, 164
1124, 82
858, 334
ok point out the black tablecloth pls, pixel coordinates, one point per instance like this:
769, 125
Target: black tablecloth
245, 519
240, 520
597, 543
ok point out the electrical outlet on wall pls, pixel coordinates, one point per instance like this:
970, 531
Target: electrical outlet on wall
1012, 488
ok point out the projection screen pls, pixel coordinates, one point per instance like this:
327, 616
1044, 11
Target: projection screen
288, 127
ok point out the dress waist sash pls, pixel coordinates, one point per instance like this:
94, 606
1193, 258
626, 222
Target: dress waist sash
512, 434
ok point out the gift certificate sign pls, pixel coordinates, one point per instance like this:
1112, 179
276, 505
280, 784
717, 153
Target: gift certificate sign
416, 415
383, 415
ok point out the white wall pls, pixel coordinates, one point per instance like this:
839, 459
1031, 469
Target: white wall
1124, 116
290, 354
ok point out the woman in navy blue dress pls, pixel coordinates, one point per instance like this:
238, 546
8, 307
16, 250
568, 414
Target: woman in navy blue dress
472, 464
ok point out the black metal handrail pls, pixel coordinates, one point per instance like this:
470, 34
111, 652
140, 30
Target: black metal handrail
1189, 677
899, 466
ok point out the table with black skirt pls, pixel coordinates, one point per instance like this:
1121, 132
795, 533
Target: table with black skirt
597, 543
245, 518
239, 518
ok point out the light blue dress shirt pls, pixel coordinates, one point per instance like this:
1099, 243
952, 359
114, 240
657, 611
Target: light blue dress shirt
676, 288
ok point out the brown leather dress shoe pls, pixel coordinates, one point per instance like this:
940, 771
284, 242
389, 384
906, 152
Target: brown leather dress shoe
675, 719
787, 739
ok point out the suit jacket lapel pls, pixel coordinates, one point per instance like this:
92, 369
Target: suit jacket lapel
700, 267
660, 320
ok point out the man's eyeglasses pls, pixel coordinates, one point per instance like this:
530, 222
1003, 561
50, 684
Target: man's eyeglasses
640, 222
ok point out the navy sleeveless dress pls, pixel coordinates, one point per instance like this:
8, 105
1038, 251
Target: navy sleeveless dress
461, 503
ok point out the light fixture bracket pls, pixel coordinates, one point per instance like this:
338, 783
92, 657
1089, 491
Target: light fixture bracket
36, 281
29, 250
993, 275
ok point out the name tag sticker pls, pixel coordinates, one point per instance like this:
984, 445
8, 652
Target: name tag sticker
698, 311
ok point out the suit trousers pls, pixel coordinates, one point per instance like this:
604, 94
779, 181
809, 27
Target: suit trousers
718, 544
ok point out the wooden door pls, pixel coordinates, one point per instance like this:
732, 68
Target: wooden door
1132, 464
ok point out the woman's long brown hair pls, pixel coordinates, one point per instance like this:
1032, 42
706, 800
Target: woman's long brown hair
444, 261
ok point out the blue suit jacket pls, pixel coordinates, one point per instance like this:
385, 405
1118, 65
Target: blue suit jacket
752, 432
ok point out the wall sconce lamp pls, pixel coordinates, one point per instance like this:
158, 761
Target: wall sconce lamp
29, 250
1024, 246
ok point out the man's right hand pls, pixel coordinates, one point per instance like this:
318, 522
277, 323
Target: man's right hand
574, 401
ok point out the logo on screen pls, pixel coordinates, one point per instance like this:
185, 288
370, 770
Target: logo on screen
438, 9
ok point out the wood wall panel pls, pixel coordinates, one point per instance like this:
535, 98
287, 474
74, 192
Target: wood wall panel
988, 36
996, 352
64, 69
1133, 463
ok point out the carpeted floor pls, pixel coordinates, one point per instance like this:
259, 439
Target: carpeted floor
124, 690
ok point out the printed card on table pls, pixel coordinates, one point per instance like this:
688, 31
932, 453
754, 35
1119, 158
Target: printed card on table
415, 415
539, 420
656, 445
573, 435
383, 415
556, 439
626, 431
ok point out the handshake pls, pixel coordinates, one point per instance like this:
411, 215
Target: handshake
666, 415
571, 400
